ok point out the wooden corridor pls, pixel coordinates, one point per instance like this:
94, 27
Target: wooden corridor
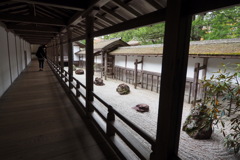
39, 122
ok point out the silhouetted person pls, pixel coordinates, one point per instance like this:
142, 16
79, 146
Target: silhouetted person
41, 55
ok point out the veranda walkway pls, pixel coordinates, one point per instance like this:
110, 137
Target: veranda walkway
38, 122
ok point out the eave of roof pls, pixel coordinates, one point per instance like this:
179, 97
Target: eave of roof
106, 46
208, 48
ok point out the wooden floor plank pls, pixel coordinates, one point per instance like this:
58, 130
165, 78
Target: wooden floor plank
38, 121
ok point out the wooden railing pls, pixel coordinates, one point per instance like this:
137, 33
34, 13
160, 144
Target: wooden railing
120, 131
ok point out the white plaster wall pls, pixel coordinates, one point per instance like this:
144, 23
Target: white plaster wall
22, 54
214, 64
131, 60
5, 77
75, 49
13, 55
191, 66
152, 64
120, 61
83, 58
19, 56
28, 49
98, 59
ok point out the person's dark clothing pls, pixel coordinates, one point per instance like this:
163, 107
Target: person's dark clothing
41, 63
41, 54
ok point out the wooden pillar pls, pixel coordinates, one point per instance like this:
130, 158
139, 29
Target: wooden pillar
204, 74
53, 51
135, 73
61, 53
70, 56
195, 83
205, 63
105, 65
57, 50
89, 61
142, 72
174, 68
125, 72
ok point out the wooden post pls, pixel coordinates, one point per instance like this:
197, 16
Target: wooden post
105, 65
125, 68
135, 73
54, 51
190, 92
89, 61
61, 54
58, 49
195, 83
204, 74
173, 78
110, 119
70, 57
142, 72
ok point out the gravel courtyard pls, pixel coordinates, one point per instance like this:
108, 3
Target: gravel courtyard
188, 148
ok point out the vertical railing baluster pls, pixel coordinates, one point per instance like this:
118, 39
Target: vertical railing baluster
77, 89
65, 76
110, 120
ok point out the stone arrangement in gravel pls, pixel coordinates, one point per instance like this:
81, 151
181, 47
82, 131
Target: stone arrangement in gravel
123, 89
189, 148
198, 124
79, 71
141, 108
98, 81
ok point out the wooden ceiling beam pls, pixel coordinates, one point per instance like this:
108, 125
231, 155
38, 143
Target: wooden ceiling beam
69, 4
112, 13
126, 7
4, 2
151, 18
22, 11
105, 20
57, 11
32, 28
47, 12
12, 8
43, 14
35, 37
31, 20
24, 33
154, 4
79, 16
162, 3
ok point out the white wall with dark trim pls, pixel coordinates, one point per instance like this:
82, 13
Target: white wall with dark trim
154, 64
15, 54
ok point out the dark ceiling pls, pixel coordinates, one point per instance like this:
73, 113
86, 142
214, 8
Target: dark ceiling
38, 21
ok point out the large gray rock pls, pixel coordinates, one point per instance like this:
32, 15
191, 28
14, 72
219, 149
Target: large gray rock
141, 107
98, 81
123, 89
198, 124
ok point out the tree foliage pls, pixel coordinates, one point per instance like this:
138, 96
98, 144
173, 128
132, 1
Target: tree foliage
152, 34
223, 96
220, 24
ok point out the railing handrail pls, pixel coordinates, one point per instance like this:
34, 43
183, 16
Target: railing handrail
111, 110
141, 132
